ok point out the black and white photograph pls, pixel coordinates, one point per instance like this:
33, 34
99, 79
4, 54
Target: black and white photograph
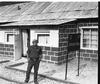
49, 42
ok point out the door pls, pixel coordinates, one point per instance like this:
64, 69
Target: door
25, 42
18, 46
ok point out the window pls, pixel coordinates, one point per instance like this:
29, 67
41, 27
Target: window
43, 39
89, 38
10, 38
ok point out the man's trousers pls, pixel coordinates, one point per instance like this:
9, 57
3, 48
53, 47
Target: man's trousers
31, 63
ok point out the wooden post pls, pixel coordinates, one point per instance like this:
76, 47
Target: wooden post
78, 62
28, 39
79, 58
67, 60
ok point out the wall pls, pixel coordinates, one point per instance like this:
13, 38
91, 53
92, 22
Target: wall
56, 51
2, 36
90, 55
54, 37
50, 51
7, 48
50, 54
18, 46
64, 30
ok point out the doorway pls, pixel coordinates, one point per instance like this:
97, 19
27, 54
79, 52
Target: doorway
25, 41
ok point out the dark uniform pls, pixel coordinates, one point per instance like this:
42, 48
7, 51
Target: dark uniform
34, 53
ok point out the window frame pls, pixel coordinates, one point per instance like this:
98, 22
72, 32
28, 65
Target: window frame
6, 37
43, 34
81, 36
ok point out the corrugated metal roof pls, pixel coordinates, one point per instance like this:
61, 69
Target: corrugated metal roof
39, 22
37, 8
70, 6
15, 11
55, 7
43, 16
5, 18
48, 11
4, 9
80, 14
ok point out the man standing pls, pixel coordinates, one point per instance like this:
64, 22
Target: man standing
34, 56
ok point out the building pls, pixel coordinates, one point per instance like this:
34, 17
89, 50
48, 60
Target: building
50, 23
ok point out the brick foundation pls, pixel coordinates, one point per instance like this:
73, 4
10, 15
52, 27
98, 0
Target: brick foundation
89, 55
50, 54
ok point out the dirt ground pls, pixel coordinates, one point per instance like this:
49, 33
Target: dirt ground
88, 72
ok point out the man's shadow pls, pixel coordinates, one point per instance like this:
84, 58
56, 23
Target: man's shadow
32, 82
39, 79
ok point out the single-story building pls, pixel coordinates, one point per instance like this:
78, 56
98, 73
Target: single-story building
50, 23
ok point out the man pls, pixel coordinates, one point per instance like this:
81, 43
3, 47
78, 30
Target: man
34, 56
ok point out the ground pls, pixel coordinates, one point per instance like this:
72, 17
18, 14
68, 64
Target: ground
88, 72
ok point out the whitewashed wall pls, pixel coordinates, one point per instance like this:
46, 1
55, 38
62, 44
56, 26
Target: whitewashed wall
54, 37
2, 34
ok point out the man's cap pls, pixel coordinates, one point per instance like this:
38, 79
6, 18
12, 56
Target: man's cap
35, 41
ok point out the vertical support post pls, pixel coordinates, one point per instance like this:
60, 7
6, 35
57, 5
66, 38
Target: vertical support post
67, 60
28, 39
78, 62
79, 55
